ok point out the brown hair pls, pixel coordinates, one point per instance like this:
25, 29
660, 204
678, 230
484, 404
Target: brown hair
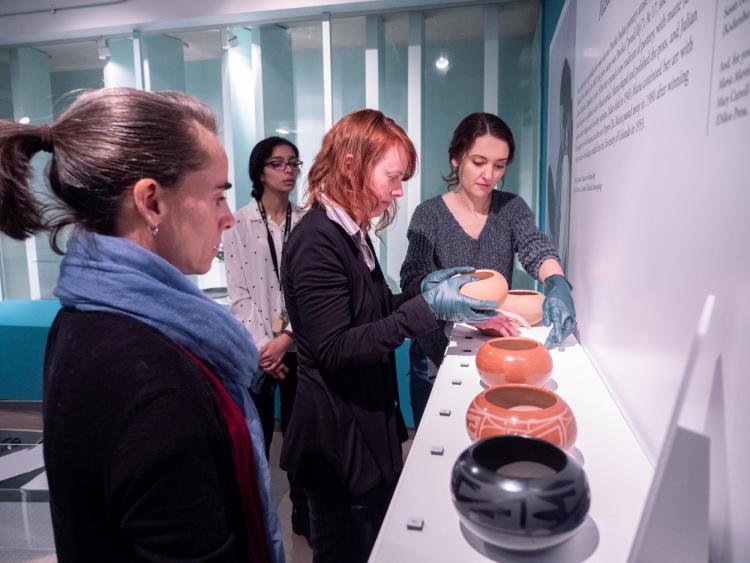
350, 150
472, 126
102, 145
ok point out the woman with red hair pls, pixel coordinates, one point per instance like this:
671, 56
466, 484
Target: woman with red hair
344, 438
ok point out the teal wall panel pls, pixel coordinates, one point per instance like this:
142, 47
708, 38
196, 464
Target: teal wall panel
278, 82
24, 327
68, 84
120, 68
203, 81
447, 98
166, 63
6, 98
402, 371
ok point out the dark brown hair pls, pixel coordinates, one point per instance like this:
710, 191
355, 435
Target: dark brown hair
473, 126
102, 145
365, 135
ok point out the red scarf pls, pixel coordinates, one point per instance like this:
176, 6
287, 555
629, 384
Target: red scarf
244, 465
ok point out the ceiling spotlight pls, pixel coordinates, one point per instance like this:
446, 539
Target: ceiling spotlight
24, 120
442, 64
229, 39
103, 49
283, 131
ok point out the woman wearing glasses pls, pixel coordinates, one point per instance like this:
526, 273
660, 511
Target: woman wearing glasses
253, 250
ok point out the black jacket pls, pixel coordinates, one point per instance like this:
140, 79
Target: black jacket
137, 455
345, 433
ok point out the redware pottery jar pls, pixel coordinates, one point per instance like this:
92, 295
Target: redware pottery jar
491, 285
514, 360
522, 410
525, 303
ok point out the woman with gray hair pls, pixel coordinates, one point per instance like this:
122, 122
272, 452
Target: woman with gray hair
152, 446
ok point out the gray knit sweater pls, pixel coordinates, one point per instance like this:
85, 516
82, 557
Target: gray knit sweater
437, 241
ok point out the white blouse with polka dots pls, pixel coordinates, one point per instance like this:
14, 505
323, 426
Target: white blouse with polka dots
251, 281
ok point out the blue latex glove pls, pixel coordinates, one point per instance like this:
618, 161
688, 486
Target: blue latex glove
447, 303
434, 278
558, 309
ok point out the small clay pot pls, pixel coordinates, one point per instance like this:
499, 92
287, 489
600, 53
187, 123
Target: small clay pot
522, 410
514, 360
491, 286
519, 508
525, 303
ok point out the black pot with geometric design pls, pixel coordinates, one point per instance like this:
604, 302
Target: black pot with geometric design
519, 493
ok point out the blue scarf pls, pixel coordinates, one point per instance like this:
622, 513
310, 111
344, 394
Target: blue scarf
112, 274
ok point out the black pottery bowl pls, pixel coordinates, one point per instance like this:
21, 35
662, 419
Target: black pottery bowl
520, 513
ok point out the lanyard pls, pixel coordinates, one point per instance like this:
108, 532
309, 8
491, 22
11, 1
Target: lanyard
271, 245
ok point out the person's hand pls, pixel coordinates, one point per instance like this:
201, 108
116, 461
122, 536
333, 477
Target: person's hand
447, 303
272, 355
558, 309
432, 279
501, 325
278, 371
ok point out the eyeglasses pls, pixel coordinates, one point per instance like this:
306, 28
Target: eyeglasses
280, 165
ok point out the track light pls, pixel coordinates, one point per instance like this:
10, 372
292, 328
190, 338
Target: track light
103, 49
229, 39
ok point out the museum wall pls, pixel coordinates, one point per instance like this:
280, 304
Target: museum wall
649, 192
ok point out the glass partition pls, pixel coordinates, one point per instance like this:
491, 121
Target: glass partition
202, 59
393, 91
73, 68
263, 80
347, 65
519, 92
188, 62
307, 78
519, 102
14, 277
453, 85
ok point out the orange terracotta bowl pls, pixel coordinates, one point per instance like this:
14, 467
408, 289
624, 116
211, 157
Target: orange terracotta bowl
491, 285
525, 303
522, 410
514, 360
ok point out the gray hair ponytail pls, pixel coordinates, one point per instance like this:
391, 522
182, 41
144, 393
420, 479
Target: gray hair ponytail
102, 145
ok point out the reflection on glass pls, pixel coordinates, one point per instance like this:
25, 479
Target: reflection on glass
347, 65
73, 68
519, 89
393, 93
38, 83
14, 279
201, 51
307, 77
518, 103
453, 85
277, 66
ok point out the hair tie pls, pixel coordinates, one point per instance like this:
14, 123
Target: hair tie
46, 137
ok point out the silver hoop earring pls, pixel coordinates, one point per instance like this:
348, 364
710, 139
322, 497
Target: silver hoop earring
154, 230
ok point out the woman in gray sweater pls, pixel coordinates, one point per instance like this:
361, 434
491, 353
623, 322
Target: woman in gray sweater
474, 224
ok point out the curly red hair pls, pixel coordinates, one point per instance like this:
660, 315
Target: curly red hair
342, 168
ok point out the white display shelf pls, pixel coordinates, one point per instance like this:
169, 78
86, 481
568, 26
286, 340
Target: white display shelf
618, 471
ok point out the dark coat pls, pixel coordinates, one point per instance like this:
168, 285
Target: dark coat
346, 430
137, 453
